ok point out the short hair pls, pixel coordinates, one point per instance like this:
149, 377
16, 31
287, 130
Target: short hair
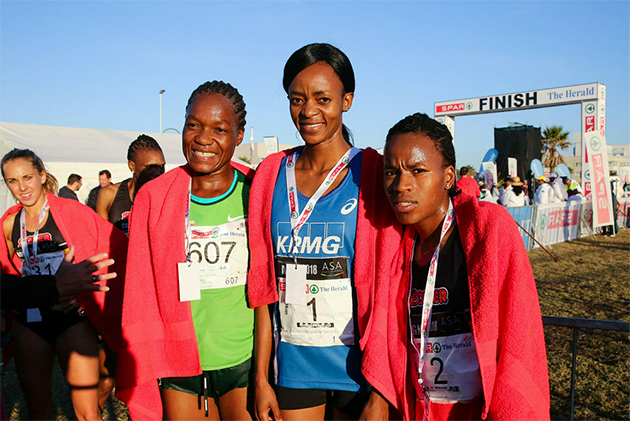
228, 91
73, 178
142, 142
51, 185
331, 55
441, 136
106, 172
463, 171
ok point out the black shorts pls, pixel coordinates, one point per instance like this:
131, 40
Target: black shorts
53, 323
349, 403
218, 382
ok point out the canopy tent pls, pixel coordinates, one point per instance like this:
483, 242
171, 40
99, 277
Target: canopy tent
67, 150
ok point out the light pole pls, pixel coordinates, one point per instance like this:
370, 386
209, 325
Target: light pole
161, 92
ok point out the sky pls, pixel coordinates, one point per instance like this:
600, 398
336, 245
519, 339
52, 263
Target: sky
101, 64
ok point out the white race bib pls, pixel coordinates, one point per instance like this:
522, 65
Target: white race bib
222, 254
451, 369
327, 317
43, 264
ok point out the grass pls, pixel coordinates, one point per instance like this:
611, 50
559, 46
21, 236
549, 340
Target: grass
591, 280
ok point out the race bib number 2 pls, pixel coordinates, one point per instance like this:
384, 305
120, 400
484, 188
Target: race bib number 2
222, 254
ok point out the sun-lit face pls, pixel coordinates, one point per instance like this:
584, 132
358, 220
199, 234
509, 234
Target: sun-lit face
416, 180
211, 133
24, 181
317, 101
103, 180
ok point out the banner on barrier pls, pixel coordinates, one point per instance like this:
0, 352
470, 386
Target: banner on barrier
523, 215
557, 222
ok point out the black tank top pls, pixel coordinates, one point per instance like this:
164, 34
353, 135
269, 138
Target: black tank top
49, 240
119, 211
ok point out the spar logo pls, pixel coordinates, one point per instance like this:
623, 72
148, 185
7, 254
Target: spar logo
563, 218
595, 144
434, 347
590, 109
589, 123
453, 107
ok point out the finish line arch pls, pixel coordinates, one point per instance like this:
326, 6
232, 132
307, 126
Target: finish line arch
591, 96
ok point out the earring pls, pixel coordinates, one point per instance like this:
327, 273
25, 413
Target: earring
448, 187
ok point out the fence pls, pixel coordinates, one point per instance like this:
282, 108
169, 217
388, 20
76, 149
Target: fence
576, 324
558, 222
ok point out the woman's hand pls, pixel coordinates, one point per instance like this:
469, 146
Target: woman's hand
376, 408
265, 402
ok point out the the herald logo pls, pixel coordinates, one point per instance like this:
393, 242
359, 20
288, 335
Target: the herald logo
589, 122
451, 107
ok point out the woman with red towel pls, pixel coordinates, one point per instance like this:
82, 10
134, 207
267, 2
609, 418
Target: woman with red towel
38, 232
319, 227
187, 330
465, 335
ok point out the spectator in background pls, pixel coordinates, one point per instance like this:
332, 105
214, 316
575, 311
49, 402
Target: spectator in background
507, 185
104, 180
543, 191
558, 192
486, 195
574, 197
467, 184
515, 196
570, 184
75, 181
146, 162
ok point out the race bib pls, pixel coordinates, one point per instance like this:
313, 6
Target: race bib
43, 264
222, 254
327, 317
451, 368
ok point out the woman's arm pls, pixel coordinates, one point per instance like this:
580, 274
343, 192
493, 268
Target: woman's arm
377, 408
265, 396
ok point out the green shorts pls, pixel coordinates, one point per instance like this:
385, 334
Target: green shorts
217, 382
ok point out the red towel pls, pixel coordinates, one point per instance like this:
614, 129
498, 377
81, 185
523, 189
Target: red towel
158, 333
507, 323
90, 234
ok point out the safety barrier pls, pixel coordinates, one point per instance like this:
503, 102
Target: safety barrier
559, 222
576, 324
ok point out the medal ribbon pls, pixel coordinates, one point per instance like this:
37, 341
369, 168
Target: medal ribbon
427, 308
299, 219
24, 235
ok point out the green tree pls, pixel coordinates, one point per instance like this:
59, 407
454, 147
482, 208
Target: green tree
553, 138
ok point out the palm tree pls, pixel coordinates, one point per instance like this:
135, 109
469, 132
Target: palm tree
553, 138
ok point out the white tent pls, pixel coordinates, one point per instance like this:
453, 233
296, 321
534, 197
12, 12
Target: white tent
67, 150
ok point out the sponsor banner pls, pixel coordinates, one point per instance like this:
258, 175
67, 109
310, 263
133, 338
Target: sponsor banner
448, 122
557, 222
523, 215
512, 165
519, 100
537, 168
563, 171
490, 156
599, 179
489, 170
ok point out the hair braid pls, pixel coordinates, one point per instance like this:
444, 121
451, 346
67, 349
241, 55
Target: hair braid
228, 91
143, 142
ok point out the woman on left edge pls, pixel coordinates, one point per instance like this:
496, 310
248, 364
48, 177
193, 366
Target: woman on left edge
50, 225
182, 349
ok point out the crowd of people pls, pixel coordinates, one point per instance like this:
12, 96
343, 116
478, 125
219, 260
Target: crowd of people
514, 192
331, 283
